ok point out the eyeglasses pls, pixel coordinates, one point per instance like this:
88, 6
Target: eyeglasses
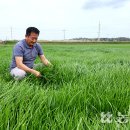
33, 38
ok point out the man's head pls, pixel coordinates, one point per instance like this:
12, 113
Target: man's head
31, 36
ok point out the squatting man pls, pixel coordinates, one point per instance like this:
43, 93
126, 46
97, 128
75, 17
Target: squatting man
25, 53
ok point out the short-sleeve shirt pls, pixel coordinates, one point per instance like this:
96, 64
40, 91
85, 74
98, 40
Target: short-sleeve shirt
29, 54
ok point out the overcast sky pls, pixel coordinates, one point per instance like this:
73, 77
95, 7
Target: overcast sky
80, 18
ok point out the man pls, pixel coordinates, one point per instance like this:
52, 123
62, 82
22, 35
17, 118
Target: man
24, 54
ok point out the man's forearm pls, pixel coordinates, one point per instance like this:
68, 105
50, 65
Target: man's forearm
25, 68
44, 60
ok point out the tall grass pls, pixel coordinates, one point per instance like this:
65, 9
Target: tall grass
84, 81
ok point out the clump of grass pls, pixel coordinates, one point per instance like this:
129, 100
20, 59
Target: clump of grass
58, 75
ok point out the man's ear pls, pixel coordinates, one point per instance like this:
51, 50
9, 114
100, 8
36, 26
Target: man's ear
26, 36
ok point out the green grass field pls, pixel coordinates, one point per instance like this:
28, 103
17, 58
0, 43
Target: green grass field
84, 81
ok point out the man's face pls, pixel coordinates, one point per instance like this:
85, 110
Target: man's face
32, 39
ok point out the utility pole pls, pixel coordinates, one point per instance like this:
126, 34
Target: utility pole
99, 30
64, 31
11, 33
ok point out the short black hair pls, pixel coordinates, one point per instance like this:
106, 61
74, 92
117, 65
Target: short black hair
29, 30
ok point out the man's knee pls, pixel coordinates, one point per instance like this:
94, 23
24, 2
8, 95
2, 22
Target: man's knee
18, 74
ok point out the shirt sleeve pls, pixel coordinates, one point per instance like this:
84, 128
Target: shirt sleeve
18, 51
40, 51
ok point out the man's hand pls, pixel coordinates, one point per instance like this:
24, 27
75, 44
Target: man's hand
49, 64
36, 73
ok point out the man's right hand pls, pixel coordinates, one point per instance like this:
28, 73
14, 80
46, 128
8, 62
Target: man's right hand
36, 73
